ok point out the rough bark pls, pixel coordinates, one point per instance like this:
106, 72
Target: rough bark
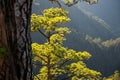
3, 40
17, 65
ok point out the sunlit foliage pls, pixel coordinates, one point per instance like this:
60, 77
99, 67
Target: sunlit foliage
73, 2
57, 60
70, 3
115, 76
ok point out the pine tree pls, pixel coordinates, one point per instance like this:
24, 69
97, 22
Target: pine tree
57, 60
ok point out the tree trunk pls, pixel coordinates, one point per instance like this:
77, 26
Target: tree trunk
16, 19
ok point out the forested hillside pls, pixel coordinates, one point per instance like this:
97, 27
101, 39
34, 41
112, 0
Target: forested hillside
89, 33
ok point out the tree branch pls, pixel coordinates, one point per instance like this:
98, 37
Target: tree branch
58, 4
37, 77
40, 58
43, 33
49, 68
56, 1
61, 64
67, 78
37, 64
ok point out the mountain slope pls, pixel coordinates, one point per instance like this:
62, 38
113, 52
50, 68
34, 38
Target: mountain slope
84, 23
108, 10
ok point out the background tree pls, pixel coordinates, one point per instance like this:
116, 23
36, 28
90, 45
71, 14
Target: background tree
70, 3
115, 76
15, 21
57, 60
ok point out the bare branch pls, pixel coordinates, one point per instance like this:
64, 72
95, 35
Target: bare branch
56, 1
43, 33
58, 4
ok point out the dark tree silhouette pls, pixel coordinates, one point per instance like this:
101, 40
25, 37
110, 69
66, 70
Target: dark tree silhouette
15, 36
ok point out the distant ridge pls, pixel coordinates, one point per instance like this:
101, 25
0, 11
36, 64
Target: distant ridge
84, 23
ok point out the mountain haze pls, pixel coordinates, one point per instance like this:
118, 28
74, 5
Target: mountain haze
88, 33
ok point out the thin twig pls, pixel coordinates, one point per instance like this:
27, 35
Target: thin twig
40, 58
61, 64
43, 33
67, 78
36, 64
58, 4
37, 77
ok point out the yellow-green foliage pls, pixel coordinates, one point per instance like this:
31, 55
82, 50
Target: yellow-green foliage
115, 76
73, 2
56, 59
49, 20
